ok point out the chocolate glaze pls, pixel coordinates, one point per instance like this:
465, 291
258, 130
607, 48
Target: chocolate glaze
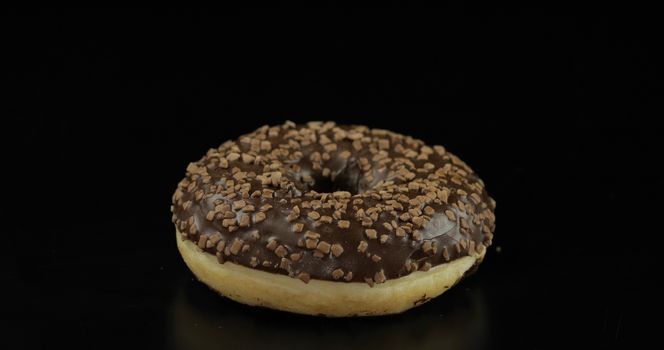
333, 168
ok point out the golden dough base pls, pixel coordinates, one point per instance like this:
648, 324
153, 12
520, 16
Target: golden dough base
318, 297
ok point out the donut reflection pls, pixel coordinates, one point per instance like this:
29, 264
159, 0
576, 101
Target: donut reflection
200, 319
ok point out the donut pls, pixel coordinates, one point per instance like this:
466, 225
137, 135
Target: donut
331, 220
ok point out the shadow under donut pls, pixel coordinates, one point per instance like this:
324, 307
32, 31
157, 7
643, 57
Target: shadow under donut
200, 319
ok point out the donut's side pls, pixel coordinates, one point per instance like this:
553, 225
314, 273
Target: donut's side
318, 297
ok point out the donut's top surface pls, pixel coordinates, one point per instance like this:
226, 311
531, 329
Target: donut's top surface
333, 202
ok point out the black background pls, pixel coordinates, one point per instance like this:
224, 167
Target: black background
107, 107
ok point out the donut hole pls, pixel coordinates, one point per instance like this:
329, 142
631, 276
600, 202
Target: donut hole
344, 178
341, 182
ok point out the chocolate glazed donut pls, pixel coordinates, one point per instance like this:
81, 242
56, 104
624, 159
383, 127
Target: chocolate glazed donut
331, 220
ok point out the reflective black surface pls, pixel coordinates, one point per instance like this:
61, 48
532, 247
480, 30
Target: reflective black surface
554, 114
571, 268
